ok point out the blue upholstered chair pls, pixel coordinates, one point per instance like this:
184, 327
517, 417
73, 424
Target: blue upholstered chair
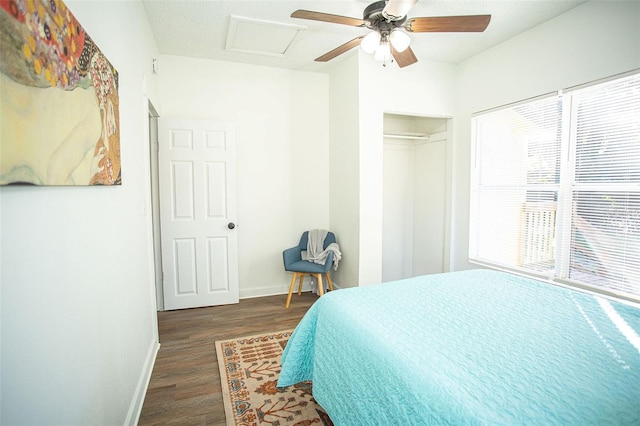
293, 262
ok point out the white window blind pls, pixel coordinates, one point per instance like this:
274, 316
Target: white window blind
604, 248
516, 186
556, 187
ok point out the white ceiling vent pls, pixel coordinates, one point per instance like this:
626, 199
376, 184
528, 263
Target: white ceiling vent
260, 37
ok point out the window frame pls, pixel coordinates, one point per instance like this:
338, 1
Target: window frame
565, 193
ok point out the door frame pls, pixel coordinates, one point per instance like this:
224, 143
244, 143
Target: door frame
155, 204
445, 136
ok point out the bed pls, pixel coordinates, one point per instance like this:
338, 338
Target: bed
468, 347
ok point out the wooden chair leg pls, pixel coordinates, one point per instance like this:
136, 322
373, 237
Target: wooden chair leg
320, 284
293, 283
300, 284
329, 281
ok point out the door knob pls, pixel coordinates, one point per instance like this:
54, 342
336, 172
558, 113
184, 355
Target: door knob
231, 225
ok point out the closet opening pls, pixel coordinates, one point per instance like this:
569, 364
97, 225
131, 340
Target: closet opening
416, 195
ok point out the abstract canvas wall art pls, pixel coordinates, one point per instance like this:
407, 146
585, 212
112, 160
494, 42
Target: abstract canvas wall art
59, 105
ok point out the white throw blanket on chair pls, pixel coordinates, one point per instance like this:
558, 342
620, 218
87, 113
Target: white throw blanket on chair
316, 252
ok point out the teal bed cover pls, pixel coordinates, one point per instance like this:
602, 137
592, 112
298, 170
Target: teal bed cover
466, 348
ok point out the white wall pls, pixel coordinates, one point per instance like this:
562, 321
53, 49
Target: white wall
594, 40
281, 119
78, 316
344, 168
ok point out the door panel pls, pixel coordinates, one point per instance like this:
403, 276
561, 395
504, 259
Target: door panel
216, 196
184, 252
197, 202
218, 277
182, 190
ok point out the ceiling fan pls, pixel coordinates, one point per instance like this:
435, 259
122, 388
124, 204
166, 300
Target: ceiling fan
387, 19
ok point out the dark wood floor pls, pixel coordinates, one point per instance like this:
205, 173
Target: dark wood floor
185, 384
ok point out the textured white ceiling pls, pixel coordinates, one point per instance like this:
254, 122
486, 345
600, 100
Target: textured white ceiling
199, 28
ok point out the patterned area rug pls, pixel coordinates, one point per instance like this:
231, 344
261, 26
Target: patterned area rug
249, 369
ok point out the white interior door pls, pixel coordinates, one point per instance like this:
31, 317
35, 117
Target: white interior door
198, 213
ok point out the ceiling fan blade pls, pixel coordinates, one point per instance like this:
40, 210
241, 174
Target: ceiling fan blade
448, 24
398, 9
327, 17
340, 50
404, 58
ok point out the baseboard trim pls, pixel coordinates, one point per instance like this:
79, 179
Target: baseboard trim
274, 291
135, 409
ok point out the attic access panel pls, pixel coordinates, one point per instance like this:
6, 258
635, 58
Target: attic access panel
260, 37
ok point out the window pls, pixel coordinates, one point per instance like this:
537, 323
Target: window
556, 187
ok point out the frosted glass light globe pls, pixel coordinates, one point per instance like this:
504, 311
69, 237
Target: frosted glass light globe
400, 40
370, 42
383, 53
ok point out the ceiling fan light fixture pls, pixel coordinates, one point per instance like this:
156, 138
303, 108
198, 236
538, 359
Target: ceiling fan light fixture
383, 52
387, 22
370, 42
400, 40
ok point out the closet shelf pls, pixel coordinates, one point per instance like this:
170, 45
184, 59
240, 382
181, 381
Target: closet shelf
407, 135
